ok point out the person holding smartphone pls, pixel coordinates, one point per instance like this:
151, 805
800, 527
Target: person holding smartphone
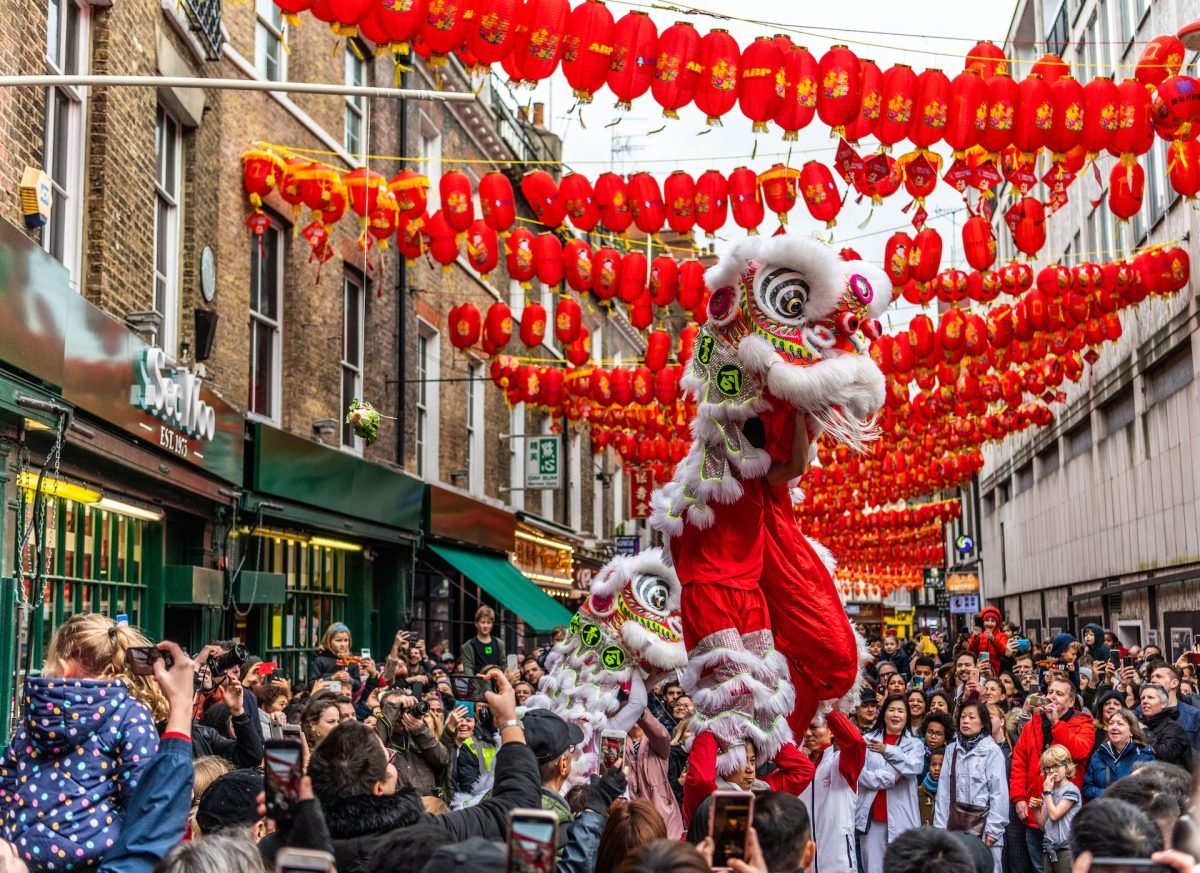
990, 639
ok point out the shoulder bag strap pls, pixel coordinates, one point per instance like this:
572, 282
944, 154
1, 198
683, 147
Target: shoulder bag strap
953, 781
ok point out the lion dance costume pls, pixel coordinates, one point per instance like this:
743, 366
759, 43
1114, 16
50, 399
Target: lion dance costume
783, 346
625, 638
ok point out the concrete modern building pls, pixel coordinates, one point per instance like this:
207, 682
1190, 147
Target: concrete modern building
1097, 518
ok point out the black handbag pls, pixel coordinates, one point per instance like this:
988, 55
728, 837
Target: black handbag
969, 818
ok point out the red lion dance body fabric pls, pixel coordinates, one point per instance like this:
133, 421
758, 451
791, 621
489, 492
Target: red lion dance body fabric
783, 347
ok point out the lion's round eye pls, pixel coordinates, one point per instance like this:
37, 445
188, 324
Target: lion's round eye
783, 295
651, 592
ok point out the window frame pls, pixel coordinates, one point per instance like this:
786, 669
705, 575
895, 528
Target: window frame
168, 203
352, 284
431, 154
428, 420
475, 426
63, 57
276, 324
355, 105
269, 20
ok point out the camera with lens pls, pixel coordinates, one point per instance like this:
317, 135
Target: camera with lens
235, 657
418, 709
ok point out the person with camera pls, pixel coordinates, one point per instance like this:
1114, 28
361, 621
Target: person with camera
421, 760
245, 748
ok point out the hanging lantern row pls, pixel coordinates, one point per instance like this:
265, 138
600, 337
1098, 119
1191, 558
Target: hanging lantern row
771, 79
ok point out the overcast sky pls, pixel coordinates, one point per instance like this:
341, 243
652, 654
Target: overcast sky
952, 26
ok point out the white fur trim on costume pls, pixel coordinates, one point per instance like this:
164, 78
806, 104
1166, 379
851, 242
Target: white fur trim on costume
729, 270
853, 382
880, 284
824, 554
757, 353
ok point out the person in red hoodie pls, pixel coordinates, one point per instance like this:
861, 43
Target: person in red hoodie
991, 640
1057, 722
793, 771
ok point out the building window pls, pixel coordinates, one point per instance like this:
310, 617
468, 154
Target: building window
266, 316
428, 369
516, 455
1079, 439
1057, 29
431, 154
67, 38
575, 484
1155, 165
168, 152
599, 480
1171, 374
1047, 460
618, 494
1024, 478
270, 59
356, 104
353, 306
1132, 13
547, 494
1119, 411
475, 445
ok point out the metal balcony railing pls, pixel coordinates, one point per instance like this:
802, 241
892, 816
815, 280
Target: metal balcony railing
204, 16
511, 131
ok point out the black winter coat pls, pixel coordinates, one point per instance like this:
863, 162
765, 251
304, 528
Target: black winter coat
358, 824
245, 751
326, 663
1168, 739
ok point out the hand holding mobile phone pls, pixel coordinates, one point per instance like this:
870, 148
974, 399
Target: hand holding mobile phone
283, 768
1128, 865
303, 861
612, 748
532, 841
472, 688
729, 820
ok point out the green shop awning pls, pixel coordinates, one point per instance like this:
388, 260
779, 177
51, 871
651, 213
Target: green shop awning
499, 578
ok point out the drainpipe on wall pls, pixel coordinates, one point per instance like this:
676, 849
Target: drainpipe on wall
402, 310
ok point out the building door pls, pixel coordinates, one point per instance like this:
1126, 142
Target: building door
1181, 630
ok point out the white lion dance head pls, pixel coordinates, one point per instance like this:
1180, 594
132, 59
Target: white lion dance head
627, 635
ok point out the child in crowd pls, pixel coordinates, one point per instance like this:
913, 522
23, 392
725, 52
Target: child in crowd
1060, 803
927, 790
83, 742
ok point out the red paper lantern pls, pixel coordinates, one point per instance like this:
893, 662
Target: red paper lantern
687, 338
409, 239
871, 91
568, 319
541, 191
1035, 114
719, 62
635, 44
443, 240
539, 44
646, 201
838, 94
632, 284
666, 384
497, 326
664, 280
1050, 67
800, 92
691, 285
1003, 99
1183, 167
363, 187
577, 263
1100, 113
348, 12
658, 349
920, 176
444, 29
820, 192
712, 204
1126, 187
896, 255
483, 247
465, 325
409, 187
1029, 226
897, 94
458, 207
677, 68
925, 257
1066, 129
1161, 58
612, 199
518, 256
548, 255
1134, 134
641, 314
979, 243
679, 193
987, 59
496, 201
761, 82
745, 200
400, 20
533, 325
587, 49
967, 117
779, 190
930, 108
643, 393
580, 202
580, 351
261, 170
492, 29
606, 272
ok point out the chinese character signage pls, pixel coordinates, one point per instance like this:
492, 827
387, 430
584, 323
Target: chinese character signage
641, 486
542, 462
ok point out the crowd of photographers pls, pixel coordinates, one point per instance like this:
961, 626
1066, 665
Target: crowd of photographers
985, 752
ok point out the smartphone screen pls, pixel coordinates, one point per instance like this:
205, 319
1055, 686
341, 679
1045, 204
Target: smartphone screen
612, 747
283, 771
531, 843
984, 656
142, 658
731, 812
335, 686
1127, 661
303, 861
364, 653
511, 661
1128, 865
471, 688
290, 730
469, 706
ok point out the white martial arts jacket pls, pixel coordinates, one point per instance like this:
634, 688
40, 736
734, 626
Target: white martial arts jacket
982, 780
896, 771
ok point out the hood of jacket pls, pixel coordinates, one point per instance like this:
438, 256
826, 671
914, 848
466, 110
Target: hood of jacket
1059, 644
60, 712
1097, 649
1132, 749
366, 814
